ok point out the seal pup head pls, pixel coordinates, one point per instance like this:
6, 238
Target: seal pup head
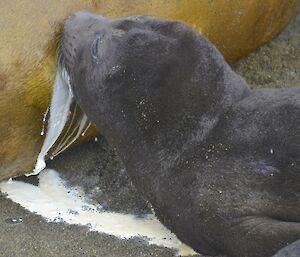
151, 71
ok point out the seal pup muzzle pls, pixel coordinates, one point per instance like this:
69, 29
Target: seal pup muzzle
218, 161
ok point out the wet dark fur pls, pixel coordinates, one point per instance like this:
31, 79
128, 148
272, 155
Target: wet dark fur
218, 161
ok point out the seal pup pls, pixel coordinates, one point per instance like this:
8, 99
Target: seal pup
218, 161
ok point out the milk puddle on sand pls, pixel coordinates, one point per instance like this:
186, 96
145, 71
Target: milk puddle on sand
55, 201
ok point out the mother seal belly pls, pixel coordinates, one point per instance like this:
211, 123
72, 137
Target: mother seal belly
218, 161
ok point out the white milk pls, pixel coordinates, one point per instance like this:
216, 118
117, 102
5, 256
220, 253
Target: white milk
57, 202
62, 99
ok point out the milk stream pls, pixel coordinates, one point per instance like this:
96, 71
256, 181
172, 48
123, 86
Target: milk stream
55, 201
61, 101
59, 111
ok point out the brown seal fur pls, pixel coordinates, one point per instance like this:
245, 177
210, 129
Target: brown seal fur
28, 50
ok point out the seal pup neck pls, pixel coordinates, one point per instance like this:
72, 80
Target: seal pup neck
152, 87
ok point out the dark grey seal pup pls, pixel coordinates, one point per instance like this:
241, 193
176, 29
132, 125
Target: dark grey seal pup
218, 161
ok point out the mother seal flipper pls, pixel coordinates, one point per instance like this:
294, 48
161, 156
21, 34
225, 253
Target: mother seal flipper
218, 162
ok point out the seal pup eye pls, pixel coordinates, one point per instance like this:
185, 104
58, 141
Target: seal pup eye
95, 44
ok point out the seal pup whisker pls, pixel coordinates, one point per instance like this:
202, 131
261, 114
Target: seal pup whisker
82, 129
67, 134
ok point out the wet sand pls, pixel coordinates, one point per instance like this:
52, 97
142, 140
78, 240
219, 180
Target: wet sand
96, 168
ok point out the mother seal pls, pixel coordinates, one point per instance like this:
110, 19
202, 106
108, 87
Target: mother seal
220, 163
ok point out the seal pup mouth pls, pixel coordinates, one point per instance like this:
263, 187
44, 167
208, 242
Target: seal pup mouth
66, 122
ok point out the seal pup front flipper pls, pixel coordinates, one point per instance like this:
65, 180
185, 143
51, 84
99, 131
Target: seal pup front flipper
164, 97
